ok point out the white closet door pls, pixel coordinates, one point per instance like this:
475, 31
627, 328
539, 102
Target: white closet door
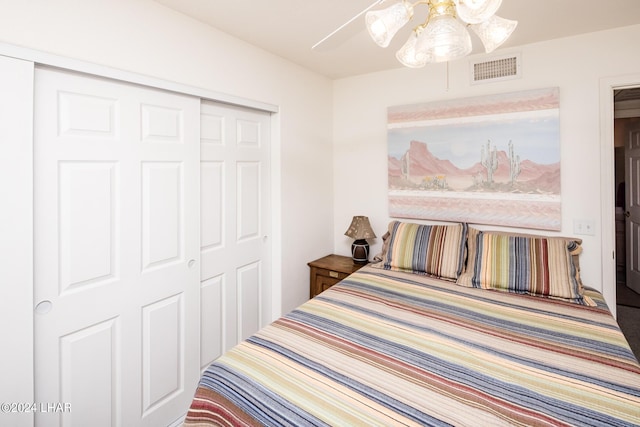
116, 251
235, 226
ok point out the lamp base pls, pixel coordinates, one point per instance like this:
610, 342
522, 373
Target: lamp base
360, 251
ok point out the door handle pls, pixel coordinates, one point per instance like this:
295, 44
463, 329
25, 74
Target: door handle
627, 214
43, 307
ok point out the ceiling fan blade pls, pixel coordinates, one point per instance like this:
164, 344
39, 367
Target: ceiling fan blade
374, 4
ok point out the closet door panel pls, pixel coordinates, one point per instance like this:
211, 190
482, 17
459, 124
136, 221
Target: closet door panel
235, 225
117, 234
87, 223
211, 322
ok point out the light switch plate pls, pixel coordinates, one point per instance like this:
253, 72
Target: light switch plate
584, 227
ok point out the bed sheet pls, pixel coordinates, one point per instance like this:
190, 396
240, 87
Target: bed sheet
390, 348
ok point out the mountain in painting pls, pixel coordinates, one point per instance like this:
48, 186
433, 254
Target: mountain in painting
420, 169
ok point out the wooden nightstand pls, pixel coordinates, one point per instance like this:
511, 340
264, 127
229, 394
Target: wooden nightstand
329, 270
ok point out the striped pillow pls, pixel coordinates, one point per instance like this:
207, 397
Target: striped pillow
435, 250
531, 265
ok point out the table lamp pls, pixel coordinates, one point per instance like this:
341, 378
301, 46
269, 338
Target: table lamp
360, 230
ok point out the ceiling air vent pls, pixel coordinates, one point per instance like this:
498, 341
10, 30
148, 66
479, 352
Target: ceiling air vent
499, 68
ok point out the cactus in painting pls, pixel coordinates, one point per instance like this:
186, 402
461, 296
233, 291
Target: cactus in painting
514, 164
404, 165
489, 159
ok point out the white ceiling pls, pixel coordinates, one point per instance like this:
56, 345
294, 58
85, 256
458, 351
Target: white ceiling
288, 28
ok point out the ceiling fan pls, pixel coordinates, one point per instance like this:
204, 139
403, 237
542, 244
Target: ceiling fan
334, 32
443, 36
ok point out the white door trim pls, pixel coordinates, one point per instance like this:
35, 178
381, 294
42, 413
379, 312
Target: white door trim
607, 182
43, 58
16, 249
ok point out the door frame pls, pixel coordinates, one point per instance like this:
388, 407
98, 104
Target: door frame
607, 181
16, 273
21, 353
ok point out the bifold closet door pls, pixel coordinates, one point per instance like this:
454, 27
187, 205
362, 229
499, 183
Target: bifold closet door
235, 226
117, 254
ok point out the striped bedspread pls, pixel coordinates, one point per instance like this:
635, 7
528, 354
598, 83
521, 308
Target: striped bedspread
388, 348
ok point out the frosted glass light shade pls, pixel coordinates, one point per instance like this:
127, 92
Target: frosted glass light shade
384, 24
409, 56
444, 39
477, 11
473, 4
494, 31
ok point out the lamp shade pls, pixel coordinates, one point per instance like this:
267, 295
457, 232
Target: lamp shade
477, 11
360, 228
444, 39
384, 24
494, 31
409, 56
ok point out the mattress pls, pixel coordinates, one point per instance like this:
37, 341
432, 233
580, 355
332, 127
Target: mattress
385, 348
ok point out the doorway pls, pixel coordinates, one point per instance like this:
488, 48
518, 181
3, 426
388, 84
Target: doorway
626, 147
626, 117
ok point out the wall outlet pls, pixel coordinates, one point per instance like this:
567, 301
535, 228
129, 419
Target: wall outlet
584, 226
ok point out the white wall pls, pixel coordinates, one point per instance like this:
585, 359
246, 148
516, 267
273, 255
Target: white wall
144, 37
576, 65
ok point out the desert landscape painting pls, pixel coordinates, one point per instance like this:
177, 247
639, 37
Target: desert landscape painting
486, 160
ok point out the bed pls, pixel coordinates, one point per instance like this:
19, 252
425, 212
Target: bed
418, 339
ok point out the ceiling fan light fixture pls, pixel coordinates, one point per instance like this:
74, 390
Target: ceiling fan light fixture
444, 36
477, 11
494, 31
384, 24
473, 4
411, 57
445, 39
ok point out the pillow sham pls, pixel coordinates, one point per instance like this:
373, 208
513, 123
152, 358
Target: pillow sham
534, 265
465, 278
435, 250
